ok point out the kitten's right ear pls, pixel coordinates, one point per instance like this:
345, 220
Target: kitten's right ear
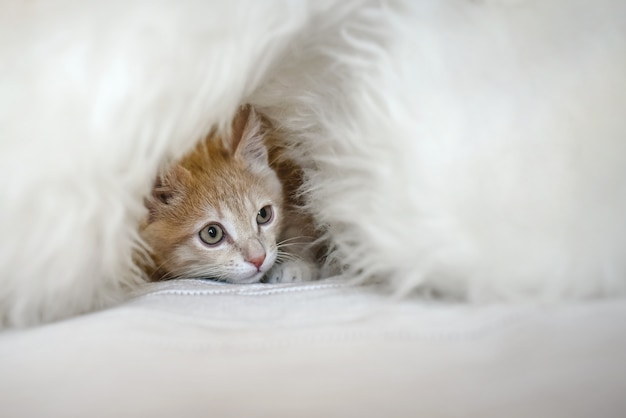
168, 187
162, 192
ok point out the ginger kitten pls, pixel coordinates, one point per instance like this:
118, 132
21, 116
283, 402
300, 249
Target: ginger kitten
224, 212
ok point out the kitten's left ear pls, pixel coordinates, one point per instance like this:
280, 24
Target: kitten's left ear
248, 143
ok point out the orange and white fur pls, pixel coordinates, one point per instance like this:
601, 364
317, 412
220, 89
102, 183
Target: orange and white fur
223, 213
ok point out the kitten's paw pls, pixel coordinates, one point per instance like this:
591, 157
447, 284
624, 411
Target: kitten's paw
292, 272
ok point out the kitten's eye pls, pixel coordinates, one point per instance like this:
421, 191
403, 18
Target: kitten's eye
211, 234
264, 215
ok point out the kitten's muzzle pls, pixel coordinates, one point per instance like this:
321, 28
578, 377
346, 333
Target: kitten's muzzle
257, 261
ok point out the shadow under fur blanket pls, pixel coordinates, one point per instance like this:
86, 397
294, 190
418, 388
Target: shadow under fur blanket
474, 148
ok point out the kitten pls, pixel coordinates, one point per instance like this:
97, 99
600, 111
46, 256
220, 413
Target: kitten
224, 212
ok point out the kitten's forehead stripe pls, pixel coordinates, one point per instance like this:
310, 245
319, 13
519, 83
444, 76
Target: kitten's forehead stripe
228, 222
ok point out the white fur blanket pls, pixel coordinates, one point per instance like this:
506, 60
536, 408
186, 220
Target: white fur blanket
477, 148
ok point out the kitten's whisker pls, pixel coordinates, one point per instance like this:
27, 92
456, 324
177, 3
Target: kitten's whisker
168, 276
293, 238
288, 255
292, 244
282, 256
191, 272
158, 267
202, 271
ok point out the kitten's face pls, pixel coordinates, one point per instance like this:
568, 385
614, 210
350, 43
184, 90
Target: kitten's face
217, 214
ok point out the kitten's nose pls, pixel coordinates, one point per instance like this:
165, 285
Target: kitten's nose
257, 261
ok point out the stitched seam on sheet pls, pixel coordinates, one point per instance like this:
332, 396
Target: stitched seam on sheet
242, 292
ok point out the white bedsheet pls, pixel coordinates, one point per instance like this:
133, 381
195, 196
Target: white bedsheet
201, 349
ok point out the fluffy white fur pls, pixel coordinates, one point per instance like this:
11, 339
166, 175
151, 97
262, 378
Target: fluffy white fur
477, 148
